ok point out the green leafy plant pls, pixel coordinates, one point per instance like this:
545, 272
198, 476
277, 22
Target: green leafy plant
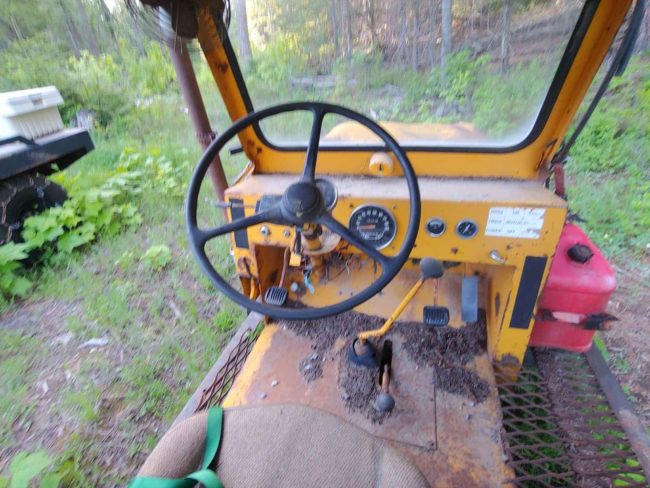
26, 466
157, 257
90, 212
11, 282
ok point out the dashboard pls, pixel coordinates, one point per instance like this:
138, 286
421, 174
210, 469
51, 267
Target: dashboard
465, 220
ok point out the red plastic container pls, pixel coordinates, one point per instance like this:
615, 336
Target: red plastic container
574, 299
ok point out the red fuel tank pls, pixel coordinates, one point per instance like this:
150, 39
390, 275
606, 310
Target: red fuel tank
572, 305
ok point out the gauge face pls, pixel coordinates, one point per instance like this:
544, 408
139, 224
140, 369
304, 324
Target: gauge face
373, 224
436, 227
466, 229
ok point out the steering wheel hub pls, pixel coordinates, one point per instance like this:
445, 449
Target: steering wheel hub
302, 202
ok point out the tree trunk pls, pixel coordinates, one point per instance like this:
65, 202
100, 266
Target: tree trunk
87, 29
446, 45
347, 43
242, 31
17, 32
433, 31
73, 34
369, 8
505, 36
414, 39
401, 53
334, 26
107, 17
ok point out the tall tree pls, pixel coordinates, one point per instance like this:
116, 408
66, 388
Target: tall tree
505, 36
73, 33
242, 31
433, 14
107, 19
446, 28
86, 28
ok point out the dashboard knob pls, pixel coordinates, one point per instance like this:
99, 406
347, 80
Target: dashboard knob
381, 164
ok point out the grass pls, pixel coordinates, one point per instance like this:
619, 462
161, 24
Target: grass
106, 406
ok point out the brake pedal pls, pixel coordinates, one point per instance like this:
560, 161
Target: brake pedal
275, 295
436, 316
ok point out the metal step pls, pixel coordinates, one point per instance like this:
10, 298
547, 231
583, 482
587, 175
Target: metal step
560, 430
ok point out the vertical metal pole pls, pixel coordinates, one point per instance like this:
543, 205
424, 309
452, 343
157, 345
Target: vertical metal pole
191, 94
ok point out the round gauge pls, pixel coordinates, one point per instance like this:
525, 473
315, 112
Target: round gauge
329, 192
436, 227
373, 224
466, 229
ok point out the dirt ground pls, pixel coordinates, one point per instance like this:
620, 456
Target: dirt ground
628, 341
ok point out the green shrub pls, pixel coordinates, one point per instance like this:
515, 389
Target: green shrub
26, 467
91, 211
157, 257
11, 282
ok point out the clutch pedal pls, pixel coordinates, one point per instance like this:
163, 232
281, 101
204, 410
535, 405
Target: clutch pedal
436, 316
275, 295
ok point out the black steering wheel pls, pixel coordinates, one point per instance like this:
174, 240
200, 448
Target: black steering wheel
301, 203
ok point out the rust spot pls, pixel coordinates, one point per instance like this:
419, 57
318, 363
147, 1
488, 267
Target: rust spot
244, 266
454, 250
223, 67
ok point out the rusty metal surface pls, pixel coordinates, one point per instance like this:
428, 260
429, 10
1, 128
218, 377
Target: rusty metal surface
218, 381
225, 377
454, 441
559, 429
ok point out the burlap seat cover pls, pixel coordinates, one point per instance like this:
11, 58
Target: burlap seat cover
287, 446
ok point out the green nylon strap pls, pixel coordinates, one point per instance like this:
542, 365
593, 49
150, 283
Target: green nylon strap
212, 436
205, 476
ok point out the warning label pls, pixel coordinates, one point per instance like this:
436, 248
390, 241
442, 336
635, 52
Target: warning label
517, 222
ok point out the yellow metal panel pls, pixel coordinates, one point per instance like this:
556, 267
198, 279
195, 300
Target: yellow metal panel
452, 200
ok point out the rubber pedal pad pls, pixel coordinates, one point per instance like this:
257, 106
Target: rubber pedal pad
469, 299
436, 316
275, 295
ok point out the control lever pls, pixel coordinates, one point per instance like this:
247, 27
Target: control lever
361, 350
385, 401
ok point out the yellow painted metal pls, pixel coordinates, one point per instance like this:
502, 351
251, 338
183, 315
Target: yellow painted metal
454, 185
522, 163
450, 199
383, 330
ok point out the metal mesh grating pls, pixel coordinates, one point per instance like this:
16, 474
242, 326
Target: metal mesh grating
225, 377
559, 429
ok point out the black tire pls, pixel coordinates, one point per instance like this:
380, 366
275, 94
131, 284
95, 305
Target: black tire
22, 196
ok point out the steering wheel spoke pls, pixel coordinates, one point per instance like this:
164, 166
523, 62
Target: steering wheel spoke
272, 214
335, 226
309, 172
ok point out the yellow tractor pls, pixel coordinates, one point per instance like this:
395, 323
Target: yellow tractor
422, 305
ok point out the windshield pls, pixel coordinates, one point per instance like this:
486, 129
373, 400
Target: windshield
445, 73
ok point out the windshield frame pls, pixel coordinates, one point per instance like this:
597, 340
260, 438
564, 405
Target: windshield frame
574, 43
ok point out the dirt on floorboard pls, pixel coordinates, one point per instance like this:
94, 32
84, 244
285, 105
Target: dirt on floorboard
311, 367
448, 350
445, 350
